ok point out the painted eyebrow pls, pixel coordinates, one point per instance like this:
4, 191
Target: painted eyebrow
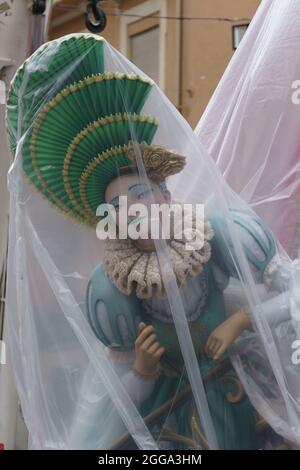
135, 185
116, 198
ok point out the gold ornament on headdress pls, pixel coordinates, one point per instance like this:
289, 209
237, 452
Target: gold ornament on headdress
159, 161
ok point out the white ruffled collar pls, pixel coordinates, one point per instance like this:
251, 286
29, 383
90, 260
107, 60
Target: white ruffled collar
133, 270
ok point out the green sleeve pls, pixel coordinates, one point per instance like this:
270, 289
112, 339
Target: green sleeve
113, 316
257, 242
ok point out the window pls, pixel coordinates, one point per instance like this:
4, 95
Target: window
144, 52
143, 40
238, 32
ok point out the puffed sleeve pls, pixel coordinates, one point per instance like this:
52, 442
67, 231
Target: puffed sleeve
114, 318
113, 315
260, 248
256, 240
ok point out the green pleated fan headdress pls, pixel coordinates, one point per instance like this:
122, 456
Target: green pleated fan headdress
76, 123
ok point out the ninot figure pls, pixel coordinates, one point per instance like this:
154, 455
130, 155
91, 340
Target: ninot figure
169, 343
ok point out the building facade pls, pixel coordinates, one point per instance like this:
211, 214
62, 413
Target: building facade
184, 45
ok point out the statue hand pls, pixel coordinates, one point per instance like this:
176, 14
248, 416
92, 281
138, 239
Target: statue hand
148, 351
226, 333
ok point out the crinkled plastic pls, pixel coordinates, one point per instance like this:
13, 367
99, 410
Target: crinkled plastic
251, 125
168, 343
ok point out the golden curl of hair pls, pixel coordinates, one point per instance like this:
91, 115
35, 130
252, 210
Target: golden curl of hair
159, 161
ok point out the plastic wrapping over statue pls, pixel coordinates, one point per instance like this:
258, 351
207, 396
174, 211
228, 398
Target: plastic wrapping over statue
248, 116
148, 306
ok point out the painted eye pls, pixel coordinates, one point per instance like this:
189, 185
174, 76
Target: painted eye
143, 194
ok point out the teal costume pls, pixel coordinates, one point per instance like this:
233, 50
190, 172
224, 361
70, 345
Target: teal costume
233, 416
80, 120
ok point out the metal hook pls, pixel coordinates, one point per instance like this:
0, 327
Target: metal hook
38, 7
95, 18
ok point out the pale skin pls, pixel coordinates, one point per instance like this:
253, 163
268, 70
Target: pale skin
226, 333
148, 351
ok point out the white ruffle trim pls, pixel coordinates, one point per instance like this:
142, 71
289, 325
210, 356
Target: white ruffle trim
133, 270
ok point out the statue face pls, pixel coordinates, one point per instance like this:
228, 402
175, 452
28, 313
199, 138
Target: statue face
136, 191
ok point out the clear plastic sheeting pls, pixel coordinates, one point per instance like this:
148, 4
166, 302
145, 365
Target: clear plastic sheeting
128, 326
251, 125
